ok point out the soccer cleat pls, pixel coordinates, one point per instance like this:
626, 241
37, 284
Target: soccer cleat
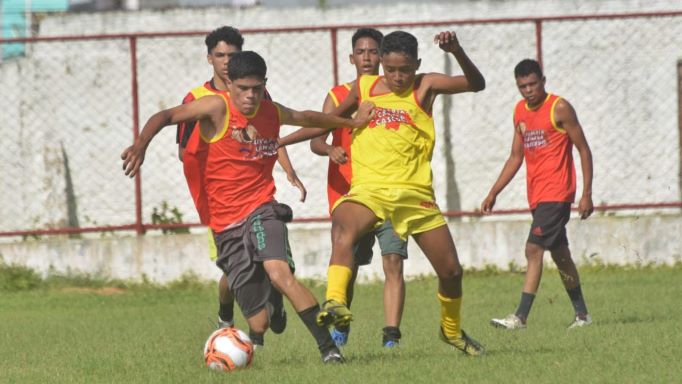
278, 316
333, 356
464, 343
334, 313
581, 321
510, 322
391, 343
225, 323
339, 336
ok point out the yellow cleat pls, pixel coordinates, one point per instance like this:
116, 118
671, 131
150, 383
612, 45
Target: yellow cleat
464, 343
334, 313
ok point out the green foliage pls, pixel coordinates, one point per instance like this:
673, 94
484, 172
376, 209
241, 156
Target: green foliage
18, 278
168, 215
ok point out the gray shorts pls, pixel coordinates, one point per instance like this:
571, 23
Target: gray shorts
242, 250
389, 243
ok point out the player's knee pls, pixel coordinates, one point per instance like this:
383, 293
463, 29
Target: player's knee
393, 267
452, 272
534, 253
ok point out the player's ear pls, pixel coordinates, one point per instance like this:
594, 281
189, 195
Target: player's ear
209, 58
265, 80
351, 59
419, 62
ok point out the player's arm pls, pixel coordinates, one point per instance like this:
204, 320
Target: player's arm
323, 122
439, 83
511, 166
210, 109
566, 119
285, 163
319, 144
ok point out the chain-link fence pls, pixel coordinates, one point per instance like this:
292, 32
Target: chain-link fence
72, 105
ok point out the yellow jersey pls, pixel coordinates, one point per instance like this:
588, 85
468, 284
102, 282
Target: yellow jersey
395, 149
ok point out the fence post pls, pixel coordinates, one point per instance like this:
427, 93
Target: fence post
538, 41
335, 59
139, 226
679, 123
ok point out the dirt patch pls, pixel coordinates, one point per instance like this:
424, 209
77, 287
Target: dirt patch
106, 291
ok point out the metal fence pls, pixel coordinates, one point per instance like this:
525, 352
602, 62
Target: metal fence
73, 103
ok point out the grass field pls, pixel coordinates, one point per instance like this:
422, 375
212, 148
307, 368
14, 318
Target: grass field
155, 335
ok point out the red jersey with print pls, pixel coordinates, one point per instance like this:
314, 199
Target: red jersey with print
548, 151
235, 166
339, 175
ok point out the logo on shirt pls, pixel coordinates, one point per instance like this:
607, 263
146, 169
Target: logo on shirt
532, 138
254, 146
390, 118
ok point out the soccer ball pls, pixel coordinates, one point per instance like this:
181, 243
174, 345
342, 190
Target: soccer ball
228, 349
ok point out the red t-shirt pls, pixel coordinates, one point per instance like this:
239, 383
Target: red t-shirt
234, 168
339, 175
548, 151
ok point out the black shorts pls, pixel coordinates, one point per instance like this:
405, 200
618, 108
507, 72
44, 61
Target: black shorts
548, 229
389, 243
242, 250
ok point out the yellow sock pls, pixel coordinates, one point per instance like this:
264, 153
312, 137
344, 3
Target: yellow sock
450, 316
338, 277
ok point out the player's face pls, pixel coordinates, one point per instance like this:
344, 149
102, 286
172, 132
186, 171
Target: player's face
365, 56
219, 57
400, 71
532, 88
246, 93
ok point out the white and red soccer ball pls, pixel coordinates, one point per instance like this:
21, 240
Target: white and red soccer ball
228, 349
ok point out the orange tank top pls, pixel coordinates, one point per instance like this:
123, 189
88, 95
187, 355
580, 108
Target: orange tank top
548, 152
339, 175
235, 166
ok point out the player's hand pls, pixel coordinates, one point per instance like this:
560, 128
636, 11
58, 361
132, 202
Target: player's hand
296, 182
488, 204
447, 41
585, 207
133, 157
363, 115
337, 155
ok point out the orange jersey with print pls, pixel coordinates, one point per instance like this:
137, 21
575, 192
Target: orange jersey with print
234, 168
548, 151
339, 175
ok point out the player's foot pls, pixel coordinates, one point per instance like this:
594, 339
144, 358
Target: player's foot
510, 322
333, 356
340, 336
278, 316
464, 343
581, 321
225, 323
334, 313
391, 343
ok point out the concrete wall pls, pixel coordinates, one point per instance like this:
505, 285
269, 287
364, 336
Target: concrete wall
629, 240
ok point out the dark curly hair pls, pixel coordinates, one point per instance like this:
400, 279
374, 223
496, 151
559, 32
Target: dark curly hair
230, 35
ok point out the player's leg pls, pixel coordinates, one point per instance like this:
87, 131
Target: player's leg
350, 221
268, 241
571, 280
362, 255
439, 249
393, 251
225, 297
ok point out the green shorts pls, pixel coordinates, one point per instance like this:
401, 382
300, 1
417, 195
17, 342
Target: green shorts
389, 243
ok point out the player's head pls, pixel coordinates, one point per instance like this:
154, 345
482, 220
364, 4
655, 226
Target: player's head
530, 81
365, 56
247, 79
221, 44
400, 60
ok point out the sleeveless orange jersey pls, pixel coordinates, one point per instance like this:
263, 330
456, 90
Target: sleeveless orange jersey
234, 168
189, 138
339, 175
548, 151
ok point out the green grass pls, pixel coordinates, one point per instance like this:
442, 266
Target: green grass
149, 334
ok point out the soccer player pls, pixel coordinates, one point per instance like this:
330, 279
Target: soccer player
236, 152
365, 57
546, 128
392, 176
221, 44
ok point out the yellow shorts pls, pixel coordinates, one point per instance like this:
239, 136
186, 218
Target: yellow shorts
410, 211
212, 249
